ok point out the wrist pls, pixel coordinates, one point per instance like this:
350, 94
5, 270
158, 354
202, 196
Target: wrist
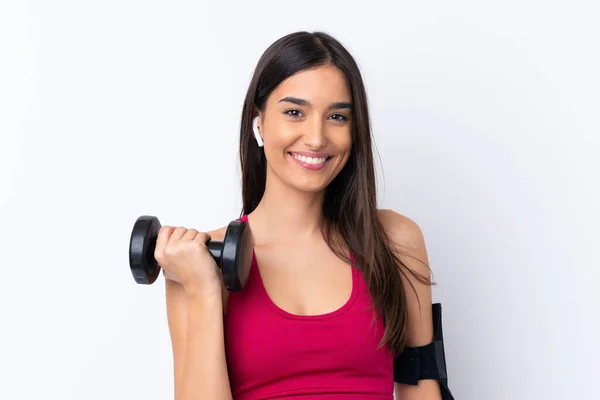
204, 293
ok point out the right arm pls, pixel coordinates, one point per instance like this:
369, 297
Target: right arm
197, 336
205, 373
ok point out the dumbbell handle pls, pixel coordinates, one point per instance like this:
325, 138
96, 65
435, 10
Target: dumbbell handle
215, 248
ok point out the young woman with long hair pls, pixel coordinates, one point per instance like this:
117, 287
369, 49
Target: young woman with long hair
337, 287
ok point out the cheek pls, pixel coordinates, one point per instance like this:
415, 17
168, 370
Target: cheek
275, 149
344, 143
346, 146
280, 135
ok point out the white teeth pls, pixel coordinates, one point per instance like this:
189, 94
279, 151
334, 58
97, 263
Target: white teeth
310, 160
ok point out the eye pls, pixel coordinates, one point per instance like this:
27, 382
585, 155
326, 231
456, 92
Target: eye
293, 112
339, 117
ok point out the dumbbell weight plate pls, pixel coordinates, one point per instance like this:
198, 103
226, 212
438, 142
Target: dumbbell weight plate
236, 255
144, 267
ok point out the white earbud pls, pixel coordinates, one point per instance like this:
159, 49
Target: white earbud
256, 132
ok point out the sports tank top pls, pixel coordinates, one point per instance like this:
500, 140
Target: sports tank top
273, 354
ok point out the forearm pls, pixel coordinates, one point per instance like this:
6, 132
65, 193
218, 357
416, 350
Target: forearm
425, 390
205, 373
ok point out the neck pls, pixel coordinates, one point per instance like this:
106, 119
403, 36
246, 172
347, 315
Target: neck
286, 213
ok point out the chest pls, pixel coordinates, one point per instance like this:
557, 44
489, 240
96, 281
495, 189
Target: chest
304, 280
302, 350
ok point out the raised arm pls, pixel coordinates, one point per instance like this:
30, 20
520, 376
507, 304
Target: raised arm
195, 323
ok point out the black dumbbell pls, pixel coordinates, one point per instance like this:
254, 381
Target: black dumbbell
233, 255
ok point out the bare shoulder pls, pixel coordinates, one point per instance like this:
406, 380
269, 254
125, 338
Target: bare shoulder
409, 245
218, 234
402, 230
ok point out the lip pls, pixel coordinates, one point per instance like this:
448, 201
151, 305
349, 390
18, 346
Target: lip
310, 154
310, 167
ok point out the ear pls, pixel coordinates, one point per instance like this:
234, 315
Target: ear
259, 114
261, 117
256, 131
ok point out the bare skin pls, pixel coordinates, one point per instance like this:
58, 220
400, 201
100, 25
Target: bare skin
300, 273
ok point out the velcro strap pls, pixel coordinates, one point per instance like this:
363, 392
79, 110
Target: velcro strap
417, 363
424, 362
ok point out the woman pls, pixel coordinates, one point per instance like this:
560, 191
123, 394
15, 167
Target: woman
337, 288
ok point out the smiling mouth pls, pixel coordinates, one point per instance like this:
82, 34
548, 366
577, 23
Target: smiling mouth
312, 163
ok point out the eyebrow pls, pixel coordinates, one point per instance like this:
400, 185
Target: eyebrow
301, 102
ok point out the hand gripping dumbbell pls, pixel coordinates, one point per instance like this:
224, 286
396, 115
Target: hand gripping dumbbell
233, 255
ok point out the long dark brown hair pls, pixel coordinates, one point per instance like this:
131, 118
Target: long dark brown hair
350, 216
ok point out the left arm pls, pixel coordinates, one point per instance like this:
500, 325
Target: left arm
406, 233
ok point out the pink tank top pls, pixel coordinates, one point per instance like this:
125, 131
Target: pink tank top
272, 354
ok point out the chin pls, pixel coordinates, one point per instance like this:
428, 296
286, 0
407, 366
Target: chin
311, 189
301, 184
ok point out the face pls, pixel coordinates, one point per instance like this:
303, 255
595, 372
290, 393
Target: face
306, 128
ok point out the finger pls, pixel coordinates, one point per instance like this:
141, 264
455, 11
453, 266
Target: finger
190, 234
162, 239
178, 233
202, 238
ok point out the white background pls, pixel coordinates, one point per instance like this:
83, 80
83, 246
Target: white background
486, 120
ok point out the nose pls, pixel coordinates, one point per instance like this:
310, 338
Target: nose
315, 136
